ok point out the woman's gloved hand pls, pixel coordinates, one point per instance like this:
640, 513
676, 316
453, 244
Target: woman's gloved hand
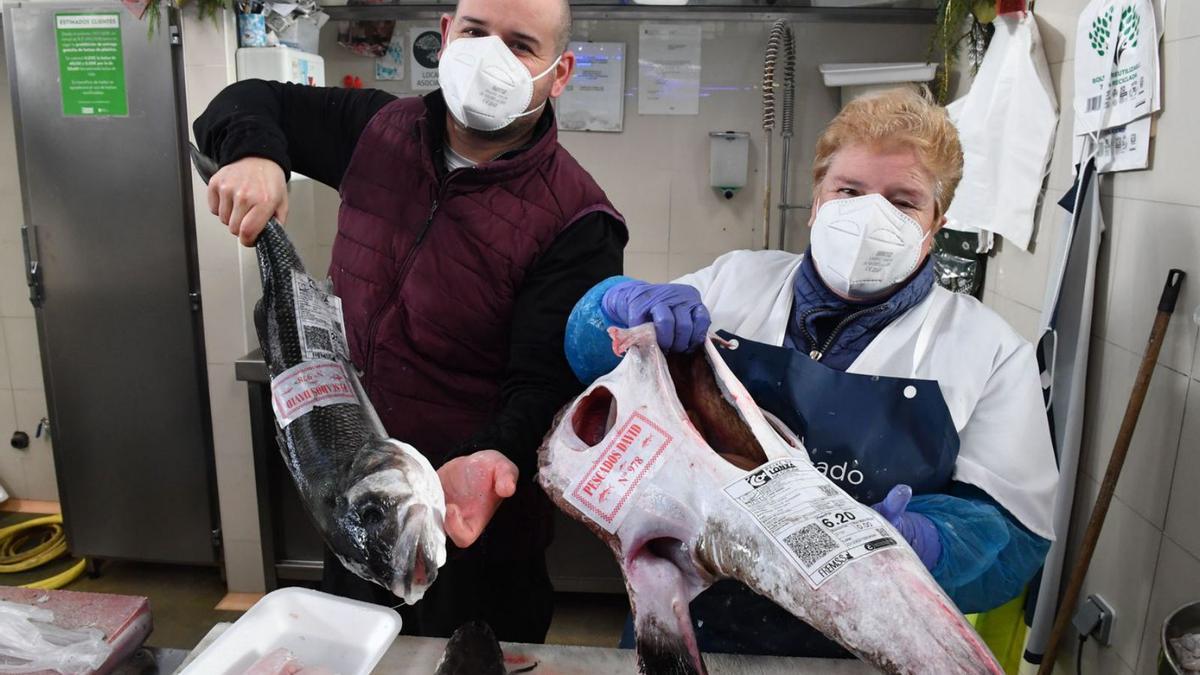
917, 529
680, 318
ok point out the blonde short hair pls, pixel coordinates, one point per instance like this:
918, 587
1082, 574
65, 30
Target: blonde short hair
898, 118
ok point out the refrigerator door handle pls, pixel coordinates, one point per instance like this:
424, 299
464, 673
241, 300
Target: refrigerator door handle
33, 274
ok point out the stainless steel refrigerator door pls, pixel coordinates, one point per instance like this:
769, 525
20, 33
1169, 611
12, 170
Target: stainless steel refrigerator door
108, 207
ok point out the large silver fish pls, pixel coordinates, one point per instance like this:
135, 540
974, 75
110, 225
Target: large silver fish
688, 482
377, 502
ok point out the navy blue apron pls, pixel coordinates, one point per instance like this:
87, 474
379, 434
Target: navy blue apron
866, 433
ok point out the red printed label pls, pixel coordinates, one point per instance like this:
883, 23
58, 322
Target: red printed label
308, 385
631, 455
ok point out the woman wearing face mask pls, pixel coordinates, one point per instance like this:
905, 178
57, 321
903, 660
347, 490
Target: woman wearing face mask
920, 402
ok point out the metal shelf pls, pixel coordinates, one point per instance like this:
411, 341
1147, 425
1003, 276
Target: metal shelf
757, 12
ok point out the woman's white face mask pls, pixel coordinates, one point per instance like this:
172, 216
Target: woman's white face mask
485, 86
865, 246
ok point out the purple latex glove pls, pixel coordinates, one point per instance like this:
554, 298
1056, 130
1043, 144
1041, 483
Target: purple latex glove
680, 318
916, 528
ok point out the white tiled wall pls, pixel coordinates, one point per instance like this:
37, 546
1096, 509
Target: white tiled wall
656, 170
224, 265
1148, 560
27, 474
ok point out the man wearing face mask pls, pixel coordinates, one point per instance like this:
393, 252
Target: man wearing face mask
465, 236
920, 402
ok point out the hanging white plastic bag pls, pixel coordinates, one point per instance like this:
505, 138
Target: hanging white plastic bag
29, 642
1116, 64
1006, 124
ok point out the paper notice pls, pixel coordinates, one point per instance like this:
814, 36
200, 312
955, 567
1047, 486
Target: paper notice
669, 69
426, 43
390, 66
594, 99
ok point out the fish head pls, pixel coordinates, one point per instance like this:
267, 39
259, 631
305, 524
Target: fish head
632, 457
648, 458
472, 650
391, 512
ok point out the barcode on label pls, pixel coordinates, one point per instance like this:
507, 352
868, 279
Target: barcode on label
1093, 103
317, 340
810, 543
828, 490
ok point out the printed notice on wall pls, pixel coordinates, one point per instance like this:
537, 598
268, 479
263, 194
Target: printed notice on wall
390, 66
669, 69
426, 43
819, 528
91, 64
594, 99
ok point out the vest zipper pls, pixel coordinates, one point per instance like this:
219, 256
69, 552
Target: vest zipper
817, 353
373, 326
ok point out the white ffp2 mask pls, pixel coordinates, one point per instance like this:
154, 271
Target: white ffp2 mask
485, 86
863, 246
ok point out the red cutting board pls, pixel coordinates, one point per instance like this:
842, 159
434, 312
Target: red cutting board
125, 619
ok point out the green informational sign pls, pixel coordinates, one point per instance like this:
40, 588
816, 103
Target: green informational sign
91, 64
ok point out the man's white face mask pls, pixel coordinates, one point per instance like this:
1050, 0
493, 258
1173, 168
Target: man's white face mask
485, 86
864, 246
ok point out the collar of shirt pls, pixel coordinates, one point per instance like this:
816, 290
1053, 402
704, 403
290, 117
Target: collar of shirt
455, 160
436, 105
814, 306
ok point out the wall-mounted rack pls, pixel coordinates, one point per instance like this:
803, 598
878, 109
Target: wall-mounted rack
900, 12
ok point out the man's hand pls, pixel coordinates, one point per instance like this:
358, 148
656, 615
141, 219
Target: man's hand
474, 486
245, 194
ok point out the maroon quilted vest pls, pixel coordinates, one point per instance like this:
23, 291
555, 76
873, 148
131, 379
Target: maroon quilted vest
428, 266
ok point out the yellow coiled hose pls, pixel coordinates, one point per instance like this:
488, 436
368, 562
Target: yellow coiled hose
33, 543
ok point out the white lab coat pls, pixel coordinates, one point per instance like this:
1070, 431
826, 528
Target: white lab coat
988, 373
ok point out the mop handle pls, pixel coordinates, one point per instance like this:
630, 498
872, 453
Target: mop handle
1091, 536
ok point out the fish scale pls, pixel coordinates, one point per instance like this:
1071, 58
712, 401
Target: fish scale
316, 445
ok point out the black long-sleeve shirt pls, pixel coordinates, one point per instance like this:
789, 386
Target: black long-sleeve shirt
314, 130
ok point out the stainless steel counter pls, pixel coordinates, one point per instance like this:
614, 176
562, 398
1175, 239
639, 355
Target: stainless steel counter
419, 656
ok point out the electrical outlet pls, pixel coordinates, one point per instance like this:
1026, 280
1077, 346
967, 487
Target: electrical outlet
1095, 618
1108, 616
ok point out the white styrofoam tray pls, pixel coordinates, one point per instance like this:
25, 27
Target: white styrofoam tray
346, 636
843, 74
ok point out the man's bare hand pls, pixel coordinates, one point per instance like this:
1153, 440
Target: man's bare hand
474, 486
245, 194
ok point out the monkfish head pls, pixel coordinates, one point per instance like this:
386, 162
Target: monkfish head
391, 512
648, 458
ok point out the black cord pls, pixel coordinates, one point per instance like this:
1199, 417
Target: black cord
1079, 656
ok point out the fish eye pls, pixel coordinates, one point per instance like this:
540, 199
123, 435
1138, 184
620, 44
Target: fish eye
371, 515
